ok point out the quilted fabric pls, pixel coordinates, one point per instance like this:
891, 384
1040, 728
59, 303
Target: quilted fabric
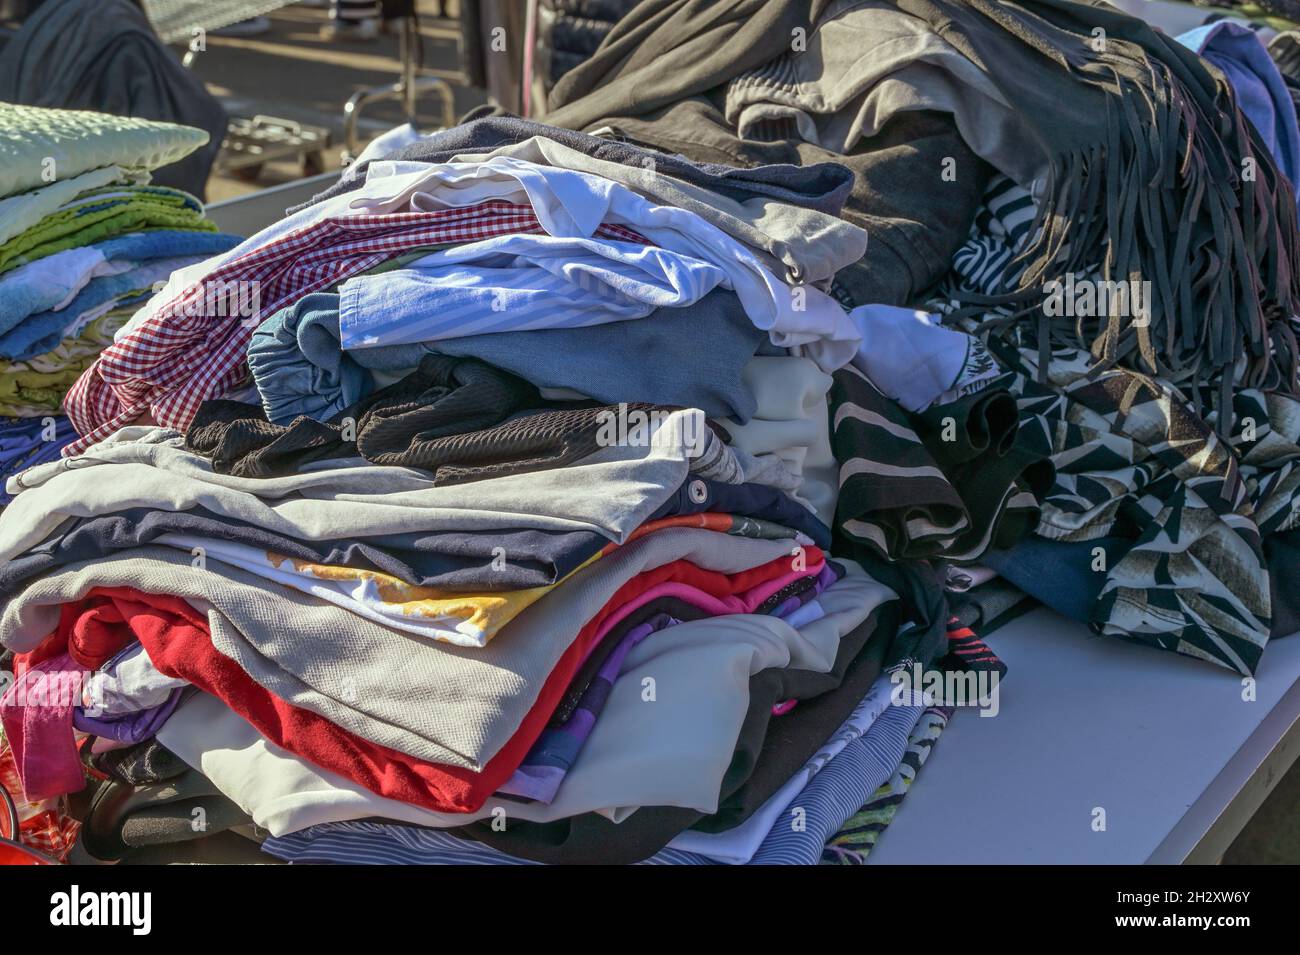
78, 141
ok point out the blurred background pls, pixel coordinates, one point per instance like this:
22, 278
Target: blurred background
272, 80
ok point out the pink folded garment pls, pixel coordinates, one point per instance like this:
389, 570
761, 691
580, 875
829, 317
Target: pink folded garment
37, 717
746, 602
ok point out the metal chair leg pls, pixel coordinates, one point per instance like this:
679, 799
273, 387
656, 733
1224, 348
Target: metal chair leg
406, 90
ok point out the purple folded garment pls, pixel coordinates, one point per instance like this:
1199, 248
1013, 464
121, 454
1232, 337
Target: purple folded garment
557, 749
128, 727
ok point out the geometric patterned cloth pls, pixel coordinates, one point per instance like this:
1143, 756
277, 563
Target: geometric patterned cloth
1135, 460
1195, 479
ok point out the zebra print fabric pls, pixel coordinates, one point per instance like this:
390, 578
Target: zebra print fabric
1139, 458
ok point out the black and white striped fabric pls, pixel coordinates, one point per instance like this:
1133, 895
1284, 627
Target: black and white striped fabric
984, 264
858, 836
948, 483
988, 265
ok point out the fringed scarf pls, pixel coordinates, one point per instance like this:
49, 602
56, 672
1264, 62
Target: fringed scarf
1156, 175
1154, 172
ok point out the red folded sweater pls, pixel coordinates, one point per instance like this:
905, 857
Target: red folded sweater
91, 635
177, 639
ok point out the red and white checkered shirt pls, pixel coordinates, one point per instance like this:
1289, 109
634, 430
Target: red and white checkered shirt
193, 348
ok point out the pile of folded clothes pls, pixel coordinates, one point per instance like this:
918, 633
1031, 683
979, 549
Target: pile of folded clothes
536, 453
83, 240
590, 491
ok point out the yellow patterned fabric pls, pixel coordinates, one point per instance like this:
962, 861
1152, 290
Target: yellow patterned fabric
35, 387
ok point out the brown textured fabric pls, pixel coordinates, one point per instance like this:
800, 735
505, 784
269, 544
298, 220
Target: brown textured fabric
447, 417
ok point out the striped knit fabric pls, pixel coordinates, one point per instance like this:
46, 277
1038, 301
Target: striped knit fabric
858, 836
1002, 225
989, 264
838, 791
898, 501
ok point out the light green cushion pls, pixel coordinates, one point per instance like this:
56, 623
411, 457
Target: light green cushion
79, 140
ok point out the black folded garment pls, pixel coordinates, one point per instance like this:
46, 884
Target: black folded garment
449, 417
948, 483
1002, 469
145, 763
990, 605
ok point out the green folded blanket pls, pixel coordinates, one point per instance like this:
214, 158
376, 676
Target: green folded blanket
101, 214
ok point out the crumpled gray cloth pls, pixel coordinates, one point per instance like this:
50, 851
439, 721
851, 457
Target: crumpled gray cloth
866, 62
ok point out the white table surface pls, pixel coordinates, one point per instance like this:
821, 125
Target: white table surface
1163, 743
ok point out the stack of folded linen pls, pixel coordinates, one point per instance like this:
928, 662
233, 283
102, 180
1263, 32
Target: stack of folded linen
83, 240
